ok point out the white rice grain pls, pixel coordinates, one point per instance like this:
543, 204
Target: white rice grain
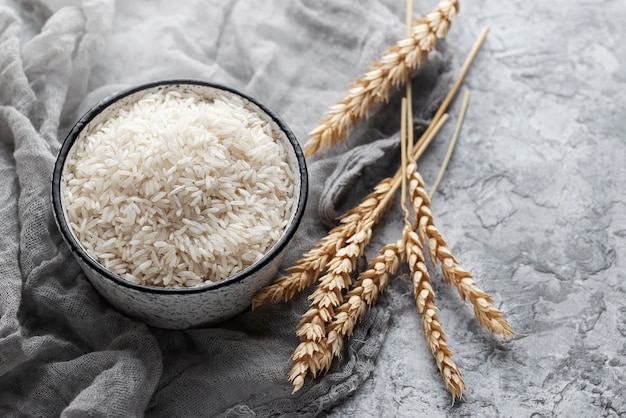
176, 191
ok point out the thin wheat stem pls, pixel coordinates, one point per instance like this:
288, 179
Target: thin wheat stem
455, 136
469, 60
404, 159
409, 87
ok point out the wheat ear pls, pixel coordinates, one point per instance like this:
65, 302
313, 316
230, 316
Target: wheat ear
392, 69
486, 314
313, 354
363, 293
425, 303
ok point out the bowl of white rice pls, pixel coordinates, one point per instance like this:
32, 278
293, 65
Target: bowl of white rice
178, 199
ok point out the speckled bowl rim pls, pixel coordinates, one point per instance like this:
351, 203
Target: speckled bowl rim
86, 258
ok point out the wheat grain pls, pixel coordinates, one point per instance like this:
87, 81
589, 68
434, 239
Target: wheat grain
486, 314
392, 69
308, 356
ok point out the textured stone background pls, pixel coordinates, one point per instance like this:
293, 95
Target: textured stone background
533, 205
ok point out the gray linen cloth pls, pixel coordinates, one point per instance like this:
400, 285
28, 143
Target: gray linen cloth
63, 350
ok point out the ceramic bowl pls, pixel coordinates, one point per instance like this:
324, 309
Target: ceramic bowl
180, 308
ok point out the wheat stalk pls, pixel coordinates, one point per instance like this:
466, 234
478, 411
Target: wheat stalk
486, 314
306, 270
329, 319
392, 69
412, 252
